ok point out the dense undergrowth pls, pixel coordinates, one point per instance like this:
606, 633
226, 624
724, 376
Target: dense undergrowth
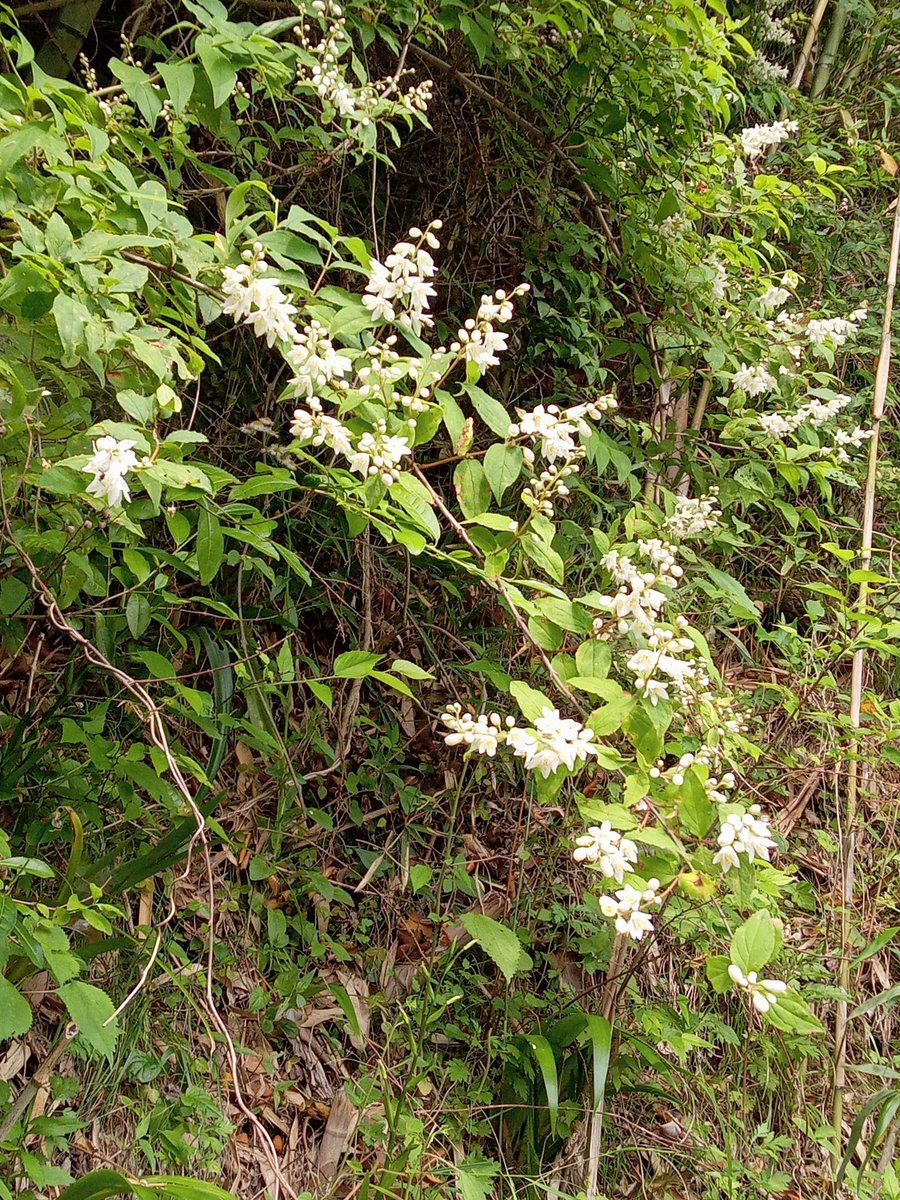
448, 738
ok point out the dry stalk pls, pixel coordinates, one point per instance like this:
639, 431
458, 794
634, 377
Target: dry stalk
882, 375
808, 42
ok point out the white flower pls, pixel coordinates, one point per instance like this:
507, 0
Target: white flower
744, 833
758, 138
553, 743
398, 289
764, 993
257, 301
755, 381
774, 297
379, 453
110, 464
834, 331
315, 361
627, 909
481, 735
317, 428
607, 848
694, 515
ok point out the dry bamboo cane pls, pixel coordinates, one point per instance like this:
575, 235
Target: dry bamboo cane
856, 683
808, 42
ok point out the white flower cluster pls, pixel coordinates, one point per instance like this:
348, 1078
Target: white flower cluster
705, 757
694, 515
626, 908
638, 601
767, 71
554, 432
754, 381
380, 453
329, 80
764, 993
111, 462
662, 657
315, 361
776, 31
774, 297
311, 426
744, 833
758, 138
607, 849
398, 289
256, 300
479, 340
719, 282
552, 743
817, 413
834, 332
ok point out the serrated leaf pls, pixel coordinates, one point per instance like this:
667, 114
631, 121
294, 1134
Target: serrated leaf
89, 1008
15, 1011
498, 942
473, 492
717, 973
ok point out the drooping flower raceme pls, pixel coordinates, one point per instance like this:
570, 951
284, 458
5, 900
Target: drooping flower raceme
315, 361
744, 833
755, 381
694, 515
763, 993
630, 917
758, 138
479, 340
380, 453
605, 848
111, 462
398, 289
552, 743
258, 301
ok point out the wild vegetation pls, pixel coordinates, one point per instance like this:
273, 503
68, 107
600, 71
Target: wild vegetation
447, 527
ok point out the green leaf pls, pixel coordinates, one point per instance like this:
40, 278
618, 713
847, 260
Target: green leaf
401, 666
98, 1185
210, 545
546, 1061
754, 943
179, 81
531, 702
71, 316
490, 410
502, 465
321, 691
498, 942
600, 1033
475, 1177
355, 664
137, 613
543, 554
473, 492
791, 1014
15, 1011
883, 999
695, 809
593, 659
733, 593
139, 89
89, 1008
219, 70
717, 973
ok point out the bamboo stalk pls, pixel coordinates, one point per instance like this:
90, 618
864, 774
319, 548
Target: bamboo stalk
830, 50
882, 375
808, 42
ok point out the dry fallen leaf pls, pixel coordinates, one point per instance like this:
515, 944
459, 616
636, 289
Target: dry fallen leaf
888, 161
